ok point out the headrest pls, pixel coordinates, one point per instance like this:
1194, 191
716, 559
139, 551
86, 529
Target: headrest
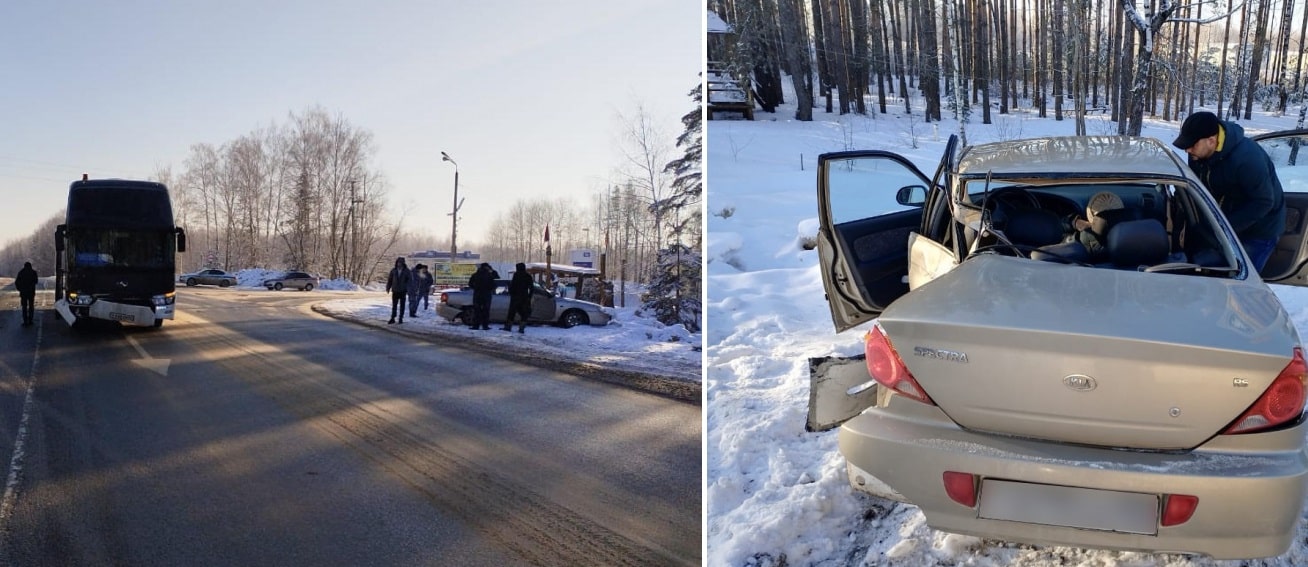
1137, 243
1034, 227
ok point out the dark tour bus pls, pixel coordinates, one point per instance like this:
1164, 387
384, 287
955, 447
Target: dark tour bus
115, 253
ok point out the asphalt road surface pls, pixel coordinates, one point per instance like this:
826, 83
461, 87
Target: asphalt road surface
252, 431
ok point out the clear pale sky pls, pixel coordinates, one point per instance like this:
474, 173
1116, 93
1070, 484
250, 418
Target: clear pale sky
523, 94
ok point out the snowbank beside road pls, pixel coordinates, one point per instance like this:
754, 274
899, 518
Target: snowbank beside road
630, 348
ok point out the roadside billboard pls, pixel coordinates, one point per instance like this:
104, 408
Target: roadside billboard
445, 274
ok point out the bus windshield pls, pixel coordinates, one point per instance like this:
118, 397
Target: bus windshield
121, 249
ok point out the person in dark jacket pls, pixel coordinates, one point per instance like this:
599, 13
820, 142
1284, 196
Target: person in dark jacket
519, 299
397, 282
483, 289
425, 282
25, 283
1241, 177
415, 289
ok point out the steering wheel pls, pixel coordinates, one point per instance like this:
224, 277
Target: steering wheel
1002, 203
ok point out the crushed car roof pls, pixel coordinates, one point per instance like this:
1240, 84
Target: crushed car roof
1086, 156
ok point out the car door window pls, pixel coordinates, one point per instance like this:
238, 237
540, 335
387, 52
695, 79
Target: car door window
864, 187
1288, 151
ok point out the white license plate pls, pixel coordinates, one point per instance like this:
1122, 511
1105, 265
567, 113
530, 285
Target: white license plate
1086, 508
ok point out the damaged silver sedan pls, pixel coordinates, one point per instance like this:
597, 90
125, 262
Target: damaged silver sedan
1138, 387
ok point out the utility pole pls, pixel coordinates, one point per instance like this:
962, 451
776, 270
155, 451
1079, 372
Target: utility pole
626, 248
454, 215
354, 238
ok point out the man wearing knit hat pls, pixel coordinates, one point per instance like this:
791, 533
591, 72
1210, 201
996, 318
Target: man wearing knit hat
1241, 177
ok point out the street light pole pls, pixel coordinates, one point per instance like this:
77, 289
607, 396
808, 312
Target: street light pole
454, 216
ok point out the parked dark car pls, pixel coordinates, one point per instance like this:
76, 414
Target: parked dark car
293, 280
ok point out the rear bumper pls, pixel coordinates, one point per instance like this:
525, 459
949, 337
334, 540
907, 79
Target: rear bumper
447, 311
1250, 488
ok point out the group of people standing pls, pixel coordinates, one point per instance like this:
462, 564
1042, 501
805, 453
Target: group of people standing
483, 284
408, 288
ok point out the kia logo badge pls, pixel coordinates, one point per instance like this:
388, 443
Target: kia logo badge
1080, 382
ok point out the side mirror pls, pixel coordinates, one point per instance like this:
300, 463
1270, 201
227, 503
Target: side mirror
181, 240
61, 232
911, 195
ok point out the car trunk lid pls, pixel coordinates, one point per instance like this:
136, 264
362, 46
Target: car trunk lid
1094, 356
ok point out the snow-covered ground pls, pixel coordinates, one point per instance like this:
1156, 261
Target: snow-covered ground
631, 342
777, 495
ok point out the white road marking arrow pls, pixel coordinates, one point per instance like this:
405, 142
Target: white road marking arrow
157, 365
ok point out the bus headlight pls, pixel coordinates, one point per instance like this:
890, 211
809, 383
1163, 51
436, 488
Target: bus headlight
75, 298
165, 299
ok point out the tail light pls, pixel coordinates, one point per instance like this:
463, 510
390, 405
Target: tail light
1178, 508
961, 488
885, 366
1281, 403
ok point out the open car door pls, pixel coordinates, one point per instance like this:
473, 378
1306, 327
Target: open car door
1289, 152
868, 204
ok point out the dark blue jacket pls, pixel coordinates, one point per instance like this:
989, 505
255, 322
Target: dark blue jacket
1243, 179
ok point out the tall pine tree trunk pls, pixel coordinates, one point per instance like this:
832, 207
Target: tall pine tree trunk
1194, 61
981, 11
879, 56
1256, 58
795, 49
1125, 76
1241, 72
1298, 69
1221, 76
1057, 36
1041, 57
900, 60
858, 76
1014, 65
820, 47
1077, 16
930, 61
1283, 58
1001, 48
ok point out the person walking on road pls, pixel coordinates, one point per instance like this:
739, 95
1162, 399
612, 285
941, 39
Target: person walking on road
519, 299
25, 283
397, 282
483, 289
